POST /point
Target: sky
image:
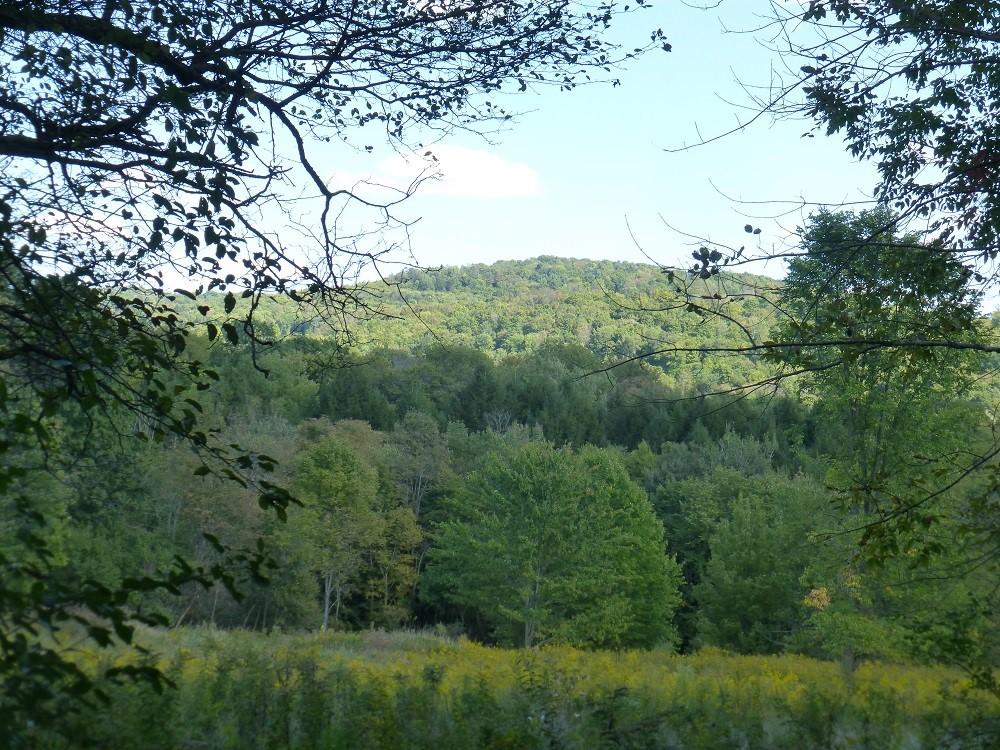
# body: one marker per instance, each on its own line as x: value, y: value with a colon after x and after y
x: 593, y: 173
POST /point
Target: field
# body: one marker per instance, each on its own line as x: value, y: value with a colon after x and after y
x: 408, y: 690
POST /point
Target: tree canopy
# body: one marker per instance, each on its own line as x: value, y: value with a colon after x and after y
x: 894, y: 292
x: 911, y: 85
x: 155, y: 157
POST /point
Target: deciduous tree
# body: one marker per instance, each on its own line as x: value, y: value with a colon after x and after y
x: 551, y: 546
x: 338, y: 523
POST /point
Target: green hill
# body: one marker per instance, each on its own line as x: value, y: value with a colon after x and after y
x: 615, y: 310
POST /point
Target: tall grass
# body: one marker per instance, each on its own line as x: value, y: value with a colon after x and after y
x: 375, y: 690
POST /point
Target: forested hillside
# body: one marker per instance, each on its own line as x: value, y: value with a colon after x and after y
x: 399, y: 454
x: 480, y: 473
x: 614, y: 310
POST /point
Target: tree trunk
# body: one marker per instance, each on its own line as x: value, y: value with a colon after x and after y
x: 327, y: 590
x: 530, y: 621
x: 848, y: 661
x: 417, y: 494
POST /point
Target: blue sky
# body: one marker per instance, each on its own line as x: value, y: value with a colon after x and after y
x: 578, y: 169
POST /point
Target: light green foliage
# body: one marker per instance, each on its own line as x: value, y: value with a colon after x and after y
x: 338, y: 522
x: 470, y: 450
x: 391, y: 571
x: 417, y: 455
x: 898, y: 417
x: 149, y: 136
x: 909, y: 607
x: 455, y: 435
x: 849, y: 619
x: 350, y: 548
x: 522, y: 307
x: 717, y: 480
x: 552, y: 546
x: 286, y: 392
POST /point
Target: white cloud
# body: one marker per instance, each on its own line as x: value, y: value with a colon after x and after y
x: 453, y: 171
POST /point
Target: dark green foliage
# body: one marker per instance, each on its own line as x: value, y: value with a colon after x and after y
x: 890, y: 74
x: 858, y: 280
x: 712, y: 475
x: 744, y: 539
x: 859, y: 290
x: 743, y: 494
x: 749, y: 596
x: 138, y: 143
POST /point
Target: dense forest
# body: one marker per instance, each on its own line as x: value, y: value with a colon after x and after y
x: 385, y: 447
x: 419, y: 466
x: 475, y: 469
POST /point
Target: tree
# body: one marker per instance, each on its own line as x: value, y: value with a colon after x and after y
x: 151, y: 145
x: 858, y: 283
x: 749, y: 595
x: 884, y: 332
x: 418, y: 455
x: 170, y: 133
x: 887, y: 325
x: 939, y: 610
x: 912, y: 86
x: 392, y: 565
x: 338, y: 522
x: 552, y: 546
x: 907, y: 84
x: 743, y: 540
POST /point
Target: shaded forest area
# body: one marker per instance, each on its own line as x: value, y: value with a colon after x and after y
x: 410, y: 462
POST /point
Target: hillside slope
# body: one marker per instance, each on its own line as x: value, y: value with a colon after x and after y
x: 615, y: 310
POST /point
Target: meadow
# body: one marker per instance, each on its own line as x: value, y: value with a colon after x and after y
x: 415, y: 690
